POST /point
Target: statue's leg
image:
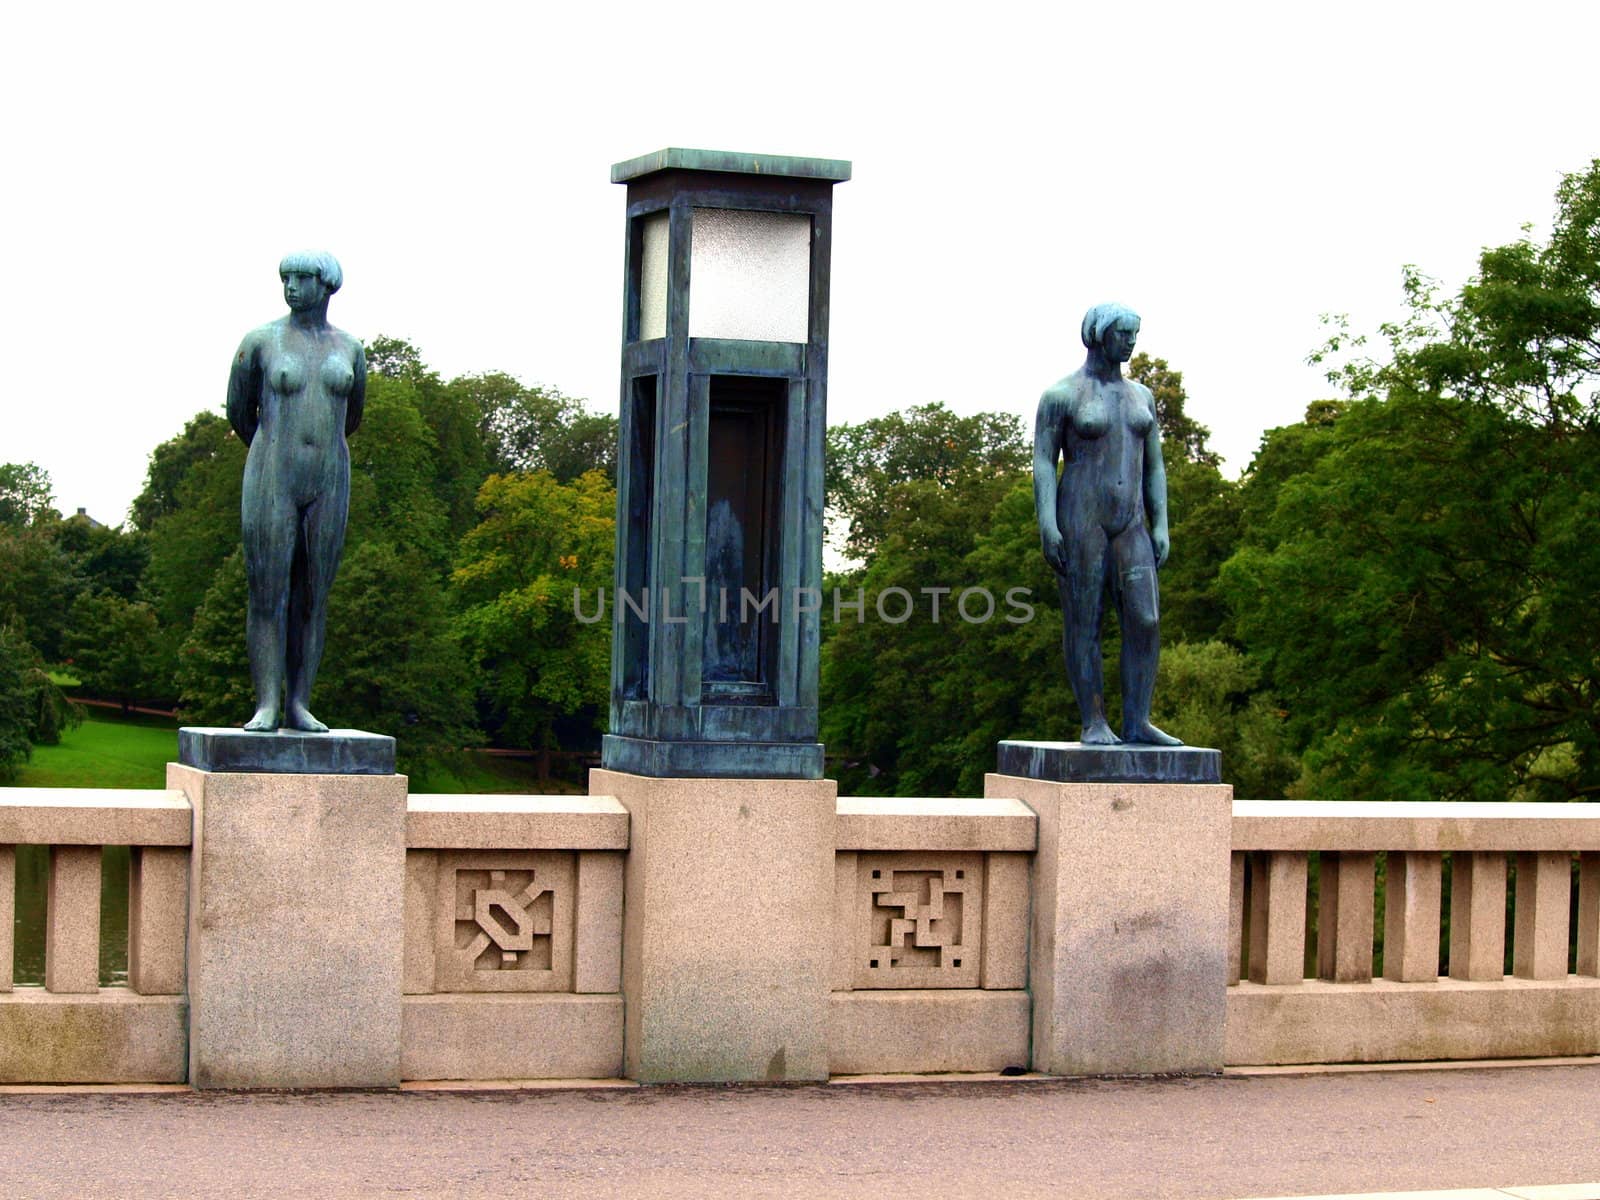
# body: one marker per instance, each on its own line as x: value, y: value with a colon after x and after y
x: 268, y: 535
x: 1082, y: 604
x: 322, y: 530
x: 1139, y: 613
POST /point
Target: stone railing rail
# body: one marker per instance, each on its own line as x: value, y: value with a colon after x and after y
x: 1276, y: 1014
x: 73, y: 1030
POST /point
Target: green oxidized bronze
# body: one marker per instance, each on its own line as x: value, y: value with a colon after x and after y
x: 295, y: 393
x: 1103, y: 523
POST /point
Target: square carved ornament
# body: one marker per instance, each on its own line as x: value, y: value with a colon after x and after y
x: 919, y: 920
x: 505, y: 921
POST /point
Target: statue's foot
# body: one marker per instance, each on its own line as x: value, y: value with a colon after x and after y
x: 1098, y: 734
x: 1146, y: 734
x: 265, y: 720
x: 300, y: 718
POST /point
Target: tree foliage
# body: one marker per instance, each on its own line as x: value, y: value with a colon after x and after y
x: 25, y: 494
x: 541, y: 671
x: 114, y: 645
x: 925, y: 442
x: 32, y: 709
x: 1419, y: 582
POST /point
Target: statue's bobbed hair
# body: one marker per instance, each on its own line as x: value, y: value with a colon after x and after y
x: 1103, y: 317
x: 314, y: 262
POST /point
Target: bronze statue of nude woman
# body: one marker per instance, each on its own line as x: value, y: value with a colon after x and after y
x: 295, y: 393
x: 1103, y: 523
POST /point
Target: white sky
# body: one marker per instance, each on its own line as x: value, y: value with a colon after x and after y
x: 1230, y: 171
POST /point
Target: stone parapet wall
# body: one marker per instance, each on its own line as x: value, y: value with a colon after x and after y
x: 930, y: 934
x: 760, y: 929
x: 513, y: 937
x: 1304, y: 979
x: 73, y: 1030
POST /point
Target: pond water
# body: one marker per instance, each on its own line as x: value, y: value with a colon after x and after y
x: 33, y: 875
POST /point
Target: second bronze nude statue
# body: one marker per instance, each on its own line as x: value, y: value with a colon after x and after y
x: 1103, y: 521
x: 295, y: 393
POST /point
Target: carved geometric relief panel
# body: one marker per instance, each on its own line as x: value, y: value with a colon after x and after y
x: 505, y: 921
x: 919, y: 919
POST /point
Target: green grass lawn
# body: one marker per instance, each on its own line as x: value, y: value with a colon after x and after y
x: 106, y: 751
x: 109, y: 750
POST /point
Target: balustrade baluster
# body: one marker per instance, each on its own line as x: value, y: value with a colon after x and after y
x: 1544, y: 891
x: 1589, y: 913
x: 158, y: 911
x: 1411, y: 917
x: 1278, y: 916
x: 1344, y: 917
x: 1236, y: 949
x: 8, y: 899
x: 1477, y: 915
x: 72, y: 920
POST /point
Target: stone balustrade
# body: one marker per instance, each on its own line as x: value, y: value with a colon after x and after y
x: 1342, y: 1013
x: 930, y: 935
x: 73, y: 1030
x: 1075, y: 928
x: 513, y: 937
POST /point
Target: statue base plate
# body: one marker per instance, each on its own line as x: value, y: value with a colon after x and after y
x: 711, y: 760
x: 286, y: 752
x: 1074, y: 762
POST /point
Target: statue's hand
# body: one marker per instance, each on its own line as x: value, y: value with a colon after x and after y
x: 1055, y: 551
x: 1162, y: 544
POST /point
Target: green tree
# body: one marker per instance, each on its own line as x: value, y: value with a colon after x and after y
x: 109, y: 558
x: 195, y: 527
x: 541, y: 671
x: 25, y: 494
x: 203, y: 440
x: 393, y: 664
x: 32, y: 709
x: 38, y: 583
x: 393, y: 475
x: 114, y: 645
x: 924, y: 442
x: 1182, y: 437
x: 213, y: 671
x: 540, y: 429
x: 1418, y: 592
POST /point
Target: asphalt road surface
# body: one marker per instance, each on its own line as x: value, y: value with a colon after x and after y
x: 1105, y: 1139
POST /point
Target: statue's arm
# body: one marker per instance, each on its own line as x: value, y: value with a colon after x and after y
x: 358, y: 393
x: 1155, y: 486
x: 244, y: 389
x: 1046, y: 450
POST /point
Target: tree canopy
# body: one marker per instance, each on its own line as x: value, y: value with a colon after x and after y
x: 1417, y: 574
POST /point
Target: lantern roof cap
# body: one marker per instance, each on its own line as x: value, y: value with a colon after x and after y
x: 674, y: 158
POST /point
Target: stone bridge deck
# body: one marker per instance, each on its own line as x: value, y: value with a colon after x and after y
x: 1521, y: 1129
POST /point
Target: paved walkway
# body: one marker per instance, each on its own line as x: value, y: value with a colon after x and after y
x: 1210, y: 1139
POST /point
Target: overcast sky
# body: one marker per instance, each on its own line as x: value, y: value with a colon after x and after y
x: 1232, y: 172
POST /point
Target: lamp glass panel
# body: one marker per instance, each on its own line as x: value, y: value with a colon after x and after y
x: 653, y: 277
x: 750, y: 275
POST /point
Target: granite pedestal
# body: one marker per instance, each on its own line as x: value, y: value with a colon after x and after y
x: 286, y: 751
x: 1128, y: 962
x: 296, y: 935
x: 727, y: 927
x: 1074, y: 762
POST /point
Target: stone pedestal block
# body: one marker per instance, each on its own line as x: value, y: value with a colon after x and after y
x: 1129, y: 961
x: 295, y: 929
x: 727, y: 938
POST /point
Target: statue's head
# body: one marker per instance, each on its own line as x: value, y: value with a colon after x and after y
x: 294, y: 268
x: 1113, y: 328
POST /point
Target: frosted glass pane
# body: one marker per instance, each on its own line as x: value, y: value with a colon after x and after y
x: 653, y: 278
x: 750, y: 275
